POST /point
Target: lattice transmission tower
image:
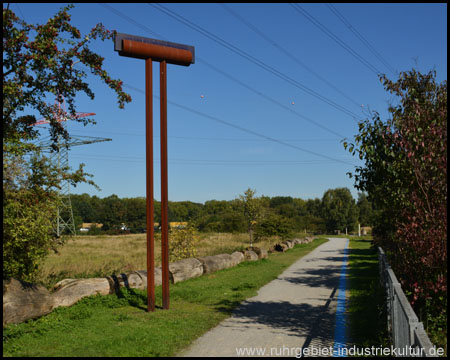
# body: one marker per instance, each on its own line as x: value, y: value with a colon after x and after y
x: 64, y: 216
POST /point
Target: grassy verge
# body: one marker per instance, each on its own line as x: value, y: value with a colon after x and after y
x: 103, y: 255
x: 366, y: 316
x: 119, y: 325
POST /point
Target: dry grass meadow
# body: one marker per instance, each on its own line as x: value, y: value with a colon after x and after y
x: 103, y: 255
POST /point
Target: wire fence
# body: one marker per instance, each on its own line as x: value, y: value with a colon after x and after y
x: 406, y: 332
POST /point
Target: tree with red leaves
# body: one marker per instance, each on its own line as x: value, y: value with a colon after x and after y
x: 405, y: 175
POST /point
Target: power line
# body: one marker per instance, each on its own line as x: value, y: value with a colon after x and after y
x: 228, y: 76
x: 323, y: 127
x: 287, y: 53
x: 241, y: 128
x: 130, y: 20
x: 253, y: 60
x: 324, y: 29
x: 200, y: 161
x: 196, y: 138
x: 226, y: 123
x: 361, y: 37
x: 246, y: 139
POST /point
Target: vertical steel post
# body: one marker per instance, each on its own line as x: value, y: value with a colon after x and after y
x: 164, y: 187
x: 165, y: 52
x: 149, y: 174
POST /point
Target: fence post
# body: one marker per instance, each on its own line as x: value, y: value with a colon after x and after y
x: 405, y: 330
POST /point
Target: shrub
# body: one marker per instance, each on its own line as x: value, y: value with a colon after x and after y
x: 183, y: 242
x: 405, y: 176
x: 273, y: 225
x: 27, y: 233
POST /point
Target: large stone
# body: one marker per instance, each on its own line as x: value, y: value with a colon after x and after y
x: 238, y: 257
x: 262, y: 253
x: 69, y: 291
x: 185, y: 269
x: 281, y: 247
x: 250, y: 255
x: 216, y: 262
x: 289, y: 244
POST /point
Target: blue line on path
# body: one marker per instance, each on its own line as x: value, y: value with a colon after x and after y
x: 341, y: 326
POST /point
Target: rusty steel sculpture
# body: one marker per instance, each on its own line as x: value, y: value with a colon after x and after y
x: 165, y: 53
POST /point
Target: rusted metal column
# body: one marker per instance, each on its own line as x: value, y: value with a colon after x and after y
x: 166, y: 53
x: 164, y: 187
x: 143, y: 50
x: 149, y: 173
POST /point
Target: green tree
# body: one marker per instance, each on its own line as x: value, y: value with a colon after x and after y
x: 339, y: 210
x: 114, y: 212
x: 135, y: 213
x: 273, y: 225
x: 38, y: 63
x: 82, y: 207
x: 26, y: 222
x: 211, y: 217
x: 300, y: 207
x: 366, y: 211
x: 183, y: 210
x: 314, y: 206
x: 252, y: 209
x: 277, y: 201
x: 311, y: 223
x: 233, y: 222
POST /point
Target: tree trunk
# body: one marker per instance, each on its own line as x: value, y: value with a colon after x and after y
x: 216, y: 262
x: 238, y: 257
x: 69, y: 291
x: 23, y: 301
x: 185, y: 269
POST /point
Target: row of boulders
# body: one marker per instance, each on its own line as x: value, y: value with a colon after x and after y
x: 289, y: 244
x: 23, y: 301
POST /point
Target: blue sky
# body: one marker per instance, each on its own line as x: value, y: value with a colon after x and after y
x: 258, y: 130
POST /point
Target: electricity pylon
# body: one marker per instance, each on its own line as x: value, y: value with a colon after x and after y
x: 60, y: 158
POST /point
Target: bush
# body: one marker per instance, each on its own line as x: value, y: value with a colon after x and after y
x: 273, y: 225
x: 406, y: 177
x: 183, y: 242
x: 27, y: 233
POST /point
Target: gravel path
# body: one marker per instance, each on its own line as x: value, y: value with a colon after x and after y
x: 296, y: 310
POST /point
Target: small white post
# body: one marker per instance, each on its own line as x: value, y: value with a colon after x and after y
x: 359, y: 229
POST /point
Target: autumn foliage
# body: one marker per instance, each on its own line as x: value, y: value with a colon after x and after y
x: 405, y: 175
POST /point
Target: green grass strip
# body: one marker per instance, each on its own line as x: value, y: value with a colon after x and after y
x: 119, y: 325
x: 367, y: 319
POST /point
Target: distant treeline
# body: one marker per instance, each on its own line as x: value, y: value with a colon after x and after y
x: 283, y: 215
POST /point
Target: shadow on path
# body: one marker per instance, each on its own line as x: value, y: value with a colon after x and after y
x: 317, y: 322
x: 323, y: 277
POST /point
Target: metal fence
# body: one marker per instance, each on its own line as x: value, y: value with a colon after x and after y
x: 406, y: 332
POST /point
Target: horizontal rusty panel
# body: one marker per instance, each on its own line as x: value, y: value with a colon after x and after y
x: 157, y: 50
